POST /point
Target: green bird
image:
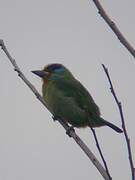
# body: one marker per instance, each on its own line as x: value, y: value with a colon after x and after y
x: 68, y: 100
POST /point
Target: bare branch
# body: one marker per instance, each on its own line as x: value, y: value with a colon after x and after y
x: 114, y: 28
x: 100, y: 152
x: 71, y: 132
x: 122, y: 120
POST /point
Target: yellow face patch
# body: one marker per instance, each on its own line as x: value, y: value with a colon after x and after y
x: 45, y: 68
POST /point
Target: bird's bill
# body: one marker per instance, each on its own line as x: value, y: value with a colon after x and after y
x: 41, y: 73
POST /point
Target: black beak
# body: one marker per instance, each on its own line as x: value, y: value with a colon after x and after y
x: 40, y: 73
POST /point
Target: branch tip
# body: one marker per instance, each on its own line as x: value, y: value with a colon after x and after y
x: 114, y: 28
x: 119, y: 104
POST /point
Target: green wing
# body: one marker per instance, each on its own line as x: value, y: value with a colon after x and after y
x: 79, y: 94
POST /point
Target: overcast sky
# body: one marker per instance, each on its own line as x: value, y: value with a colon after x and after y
x: 71, y: 32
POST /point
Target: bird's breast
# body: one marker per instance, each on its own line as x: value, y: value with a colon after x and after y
x: 51, y: 96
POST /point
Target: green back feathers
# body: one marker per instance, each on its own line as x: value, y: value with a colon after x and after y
x: 71, y: 88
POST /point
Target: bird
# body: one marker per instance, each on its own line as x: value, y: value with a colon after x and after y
x: 68, y: 100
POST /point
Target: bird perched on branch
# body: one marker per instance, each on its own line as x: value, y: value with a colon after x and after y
x: 68, y: 100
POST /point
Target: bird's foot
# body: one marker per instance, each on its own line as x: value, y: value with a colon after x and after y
x: 69, y: 130
x: 55, y: 118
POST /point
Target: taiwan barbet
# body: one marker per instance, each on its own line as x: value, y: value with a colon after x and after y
x: 68, y: 100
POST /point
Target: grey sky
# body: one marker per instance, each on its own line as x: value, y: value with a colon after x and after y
x: 71, y: 32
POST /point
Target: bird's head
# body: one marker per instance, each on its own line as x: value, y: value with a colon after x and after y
x: 53, y: 72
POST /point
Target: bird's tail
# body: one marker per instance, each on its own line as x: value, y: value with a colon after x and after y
x: 99, y: 121
x: 117, y: 129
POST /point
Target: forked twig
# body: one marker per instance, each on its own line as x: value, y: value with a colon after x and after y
x: 114, y: 28
x: 123, y: 122
x: 71, y: 132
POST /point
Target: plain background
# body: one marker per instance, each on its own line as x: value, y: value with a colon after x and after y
x: 70, y: 32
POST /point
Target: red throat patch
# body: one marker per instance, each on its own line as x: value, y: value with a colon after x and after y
x: 45, y: 81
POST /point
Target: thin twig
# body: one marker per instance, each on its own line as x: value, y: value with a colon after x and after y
x: 100, y: 152
x: 114, y: 28
x: 71, y: 132
x: 123, y: 122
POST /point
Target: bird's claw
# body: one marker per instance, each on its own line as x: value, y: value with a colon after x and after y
x: 55, y: 118
x: 69, y: 130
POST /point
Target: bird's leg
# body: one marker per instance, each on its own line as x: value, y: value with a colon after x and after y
x: 69, y: 130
